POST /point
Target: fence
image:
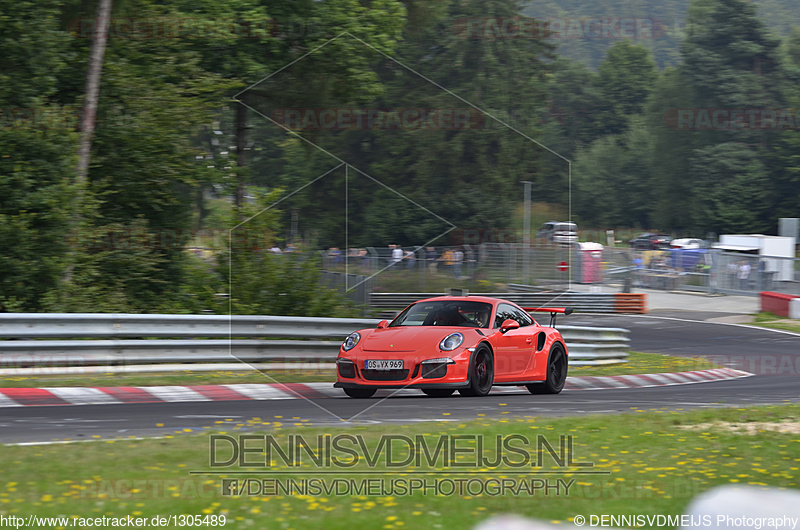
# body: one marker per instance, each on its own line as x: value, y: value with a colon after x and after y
x: 555, y: 267
x: 61, y: 339
x: 580, y: 302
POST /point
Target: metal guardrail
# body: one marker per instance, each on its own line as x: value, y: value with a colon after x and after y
x: 200, y: 340
x: 111, y: 325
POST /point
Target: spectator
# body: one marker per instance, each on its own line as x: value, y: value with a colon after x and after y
x: 733, y: 271
x: 744, y: 274
x: 762, y: 275
x: 447, y: 260
x: 335, y: 256
x: 410, y: 259
x: 397, y: 254
x: 430, y: 256
x: 458, y: 259
x: 638, y: 272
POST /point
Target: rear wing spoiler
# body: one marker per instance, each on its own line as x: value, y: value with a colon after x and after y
x: 552, y: 310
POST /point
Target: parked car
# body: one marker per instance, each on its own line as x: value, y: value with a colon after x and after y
x: 559, y: 232
x: 650, y: 241
x: 448, y: 343
x: 688, y: 243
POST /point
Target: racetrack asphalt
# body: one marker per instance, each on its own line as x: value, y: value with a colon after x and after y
x: 773, y: 356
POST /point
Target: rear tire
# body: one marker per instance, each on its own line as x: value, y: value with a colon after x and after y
x: 438, y: 392
x: 556, y: 373
x: 481, y: 374
x: 360, y: 393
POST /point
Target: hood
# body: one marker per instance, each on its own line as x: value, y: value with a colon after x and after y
x: 413, y: 338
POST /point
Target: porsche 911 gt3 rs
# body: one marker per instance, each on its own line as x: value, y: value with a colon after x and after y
x: 465, y: 343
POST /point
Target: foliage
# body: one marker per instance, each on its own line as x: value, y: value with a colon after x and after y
x: 116, y: 270
x: 163, y: 161
x: 624, y: 80
x: 35, y: 166
x: 259, y: 281
x: 36, y: 154
x: 613, y: 180
x: 407, y: 185
x: 732, y: 188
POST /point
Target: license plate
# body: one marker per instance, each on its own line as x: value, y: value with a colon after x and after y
x: 383, y: 364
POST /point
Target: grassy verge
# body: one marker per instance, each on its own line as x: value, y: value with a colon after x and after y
x: 185, y: 377
x: 646, y: 363
x: 638, y: 363
x: 643, y: 463
x: 770, y: 320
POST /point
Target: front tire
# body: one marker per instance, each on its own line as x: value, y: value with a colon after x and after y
x: 481, y: 376
x: 360, y: 393
x: 438, y: 392
x: 556, y: 373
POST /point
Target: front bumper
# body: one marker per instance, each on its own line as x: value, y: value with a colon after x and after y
x: 415, y: 372
x: 456, y: 386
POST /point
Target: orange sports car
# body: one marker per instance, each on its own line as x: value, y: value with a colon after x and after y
x: 465, y: 343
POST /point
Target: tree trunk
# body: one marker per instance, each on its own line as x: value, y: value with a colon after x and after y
x: 241, y: 159
x: 88, y: 119
x: 89, y: 115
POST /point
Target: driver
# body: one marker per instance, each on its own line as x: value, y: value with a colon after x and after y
x: 447, y: 318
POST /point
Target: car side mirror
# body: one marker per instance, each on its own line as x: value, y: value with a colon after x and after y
x: 383, y: 324
x: 508, y: 324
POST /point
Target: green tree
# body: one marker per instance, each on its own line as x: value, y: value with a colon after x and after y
x: 36, y: 167
x: 791, y: 47
x: 730, y: 60
x: 613, y: 179
x: 624, y: 79
x: 573, y: 103
x: 469, y: 176
x: 732, y: 192
x: 156, y: 98
x: 260, y: 282
x: 37, y: 153
x: 670, y: 159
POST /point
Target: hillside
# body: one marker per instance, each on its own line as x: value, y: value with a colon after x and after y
x: 587, y: 42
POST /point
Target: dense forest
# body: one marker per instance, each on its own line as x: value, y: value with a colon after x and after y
x: 233, y: 126
x: 669, y: 20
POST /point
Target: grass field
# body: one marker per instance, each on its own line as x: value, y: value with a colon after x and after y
x: 769, y: 320
x: 638, y: 363
x: 642, y: 462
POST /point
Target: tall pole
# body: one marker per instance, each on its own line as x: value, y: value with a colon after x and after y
x: 526, y: 235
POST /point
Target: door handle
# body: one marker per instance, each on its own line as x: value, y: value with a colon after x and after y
x: 528, y: 340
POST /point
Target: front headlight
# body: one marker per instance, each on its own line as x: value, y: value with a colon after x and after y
x: 451, y: 342
x: 351, y: 341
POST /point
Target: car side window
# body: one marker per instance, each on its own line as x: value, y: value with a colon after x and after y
x: 506, y: 311
x: 522, y: 317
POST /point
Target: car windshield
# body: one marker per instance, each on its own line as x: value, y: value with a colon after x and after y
x: 445, y: 313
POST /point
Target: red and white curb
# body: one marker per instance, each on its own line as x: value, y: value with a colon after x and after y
x: 21, y: 397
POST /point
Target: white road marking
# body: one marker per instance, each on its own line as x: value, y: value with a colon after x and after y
x: 637, y: 381
x: 257, y: 391
x: 174, y: 393
x: 82, y: 395
x: 580, y: 381
x: 6, y: 401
